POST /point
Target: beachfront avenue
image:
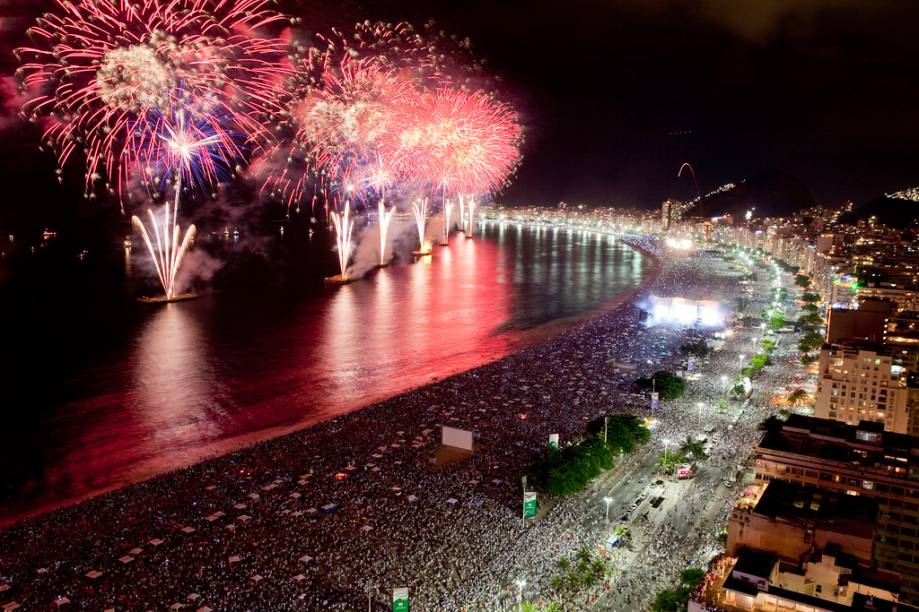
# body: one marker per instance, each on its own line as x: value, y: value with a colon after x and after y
x: 287, y: 524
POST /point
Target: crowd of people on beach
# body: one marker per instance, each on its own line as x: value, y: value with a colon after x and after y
x: 337, y: 515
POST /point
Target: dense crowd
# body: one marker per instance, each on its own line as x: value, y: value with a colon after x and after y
x: 335, y: 516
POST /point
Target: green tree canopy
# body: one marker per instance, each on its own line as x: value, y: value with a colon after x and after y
x: 810, y: 298
x: 668, y: 385
x: 802, y: 281
x: 697, y: 349
x: 693, y: 447
x: 811, y: 341
x: 691, y: 576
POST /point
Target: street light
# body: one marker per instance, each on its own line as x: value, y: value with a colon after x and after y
x: 520, y: 584
x: 724, y: 382
x: 666, y: 443
x: 607, y: 499
x: 700, y: 405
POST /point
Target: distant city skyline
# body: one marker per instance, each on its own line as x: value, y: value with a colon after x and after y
x: 615, y: 96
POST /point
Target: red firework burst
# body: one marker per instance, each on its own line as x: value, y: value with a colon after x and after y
x: 98, y: 68
x: 460, y: 143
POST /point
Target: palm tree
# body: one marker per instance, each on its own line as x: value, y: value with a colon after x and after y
x: 693, y: 447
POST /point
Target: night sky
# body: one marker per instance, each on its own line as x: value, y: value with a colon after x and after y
x: 616, y: 94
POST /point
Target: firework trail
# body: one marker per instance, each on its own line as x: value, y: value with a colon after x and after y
x: 343, y: 227
x: 187, y: 148
x: 168, y: 252
x: 420, y: 212
x: 692, y: 171
x: 471, y: 217
x: 462, y: 209
x: 385, y: 219
x: 97, y: 68
x: 448, y: 209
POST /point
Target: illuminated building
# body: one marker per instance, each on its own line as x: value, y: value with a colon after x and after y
x: 857, y: 460
x: 857, y: 383
x: 802, y: 548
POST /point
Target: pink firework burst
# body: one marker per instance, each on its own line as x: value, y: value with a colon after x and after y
x: 98, y: 68
x: 351, y: 102
x: 344, y: 115
x: 429, y: 55
x: 460, y: 143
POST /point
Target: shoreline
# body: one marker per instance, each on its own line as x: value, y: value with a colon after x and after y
x: 356, y: 494
x: 527, y: 339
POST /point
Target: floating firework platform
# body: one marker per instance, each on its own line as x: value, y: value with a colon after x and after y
x: 339, y: 279
x: 162, y: 299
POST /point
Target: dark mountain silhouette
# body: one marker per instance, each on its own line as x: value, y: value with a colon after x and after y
x: 773, y: 194
x: 892, y: 212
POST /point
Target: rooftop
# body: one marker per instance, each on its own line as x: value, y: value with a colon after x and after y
x: 825, y: 510
x: 865, y: 444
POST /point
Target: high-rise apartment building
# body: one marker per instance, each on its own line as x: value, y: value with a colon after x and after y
x: 857, y: 460
x: 856, y: 383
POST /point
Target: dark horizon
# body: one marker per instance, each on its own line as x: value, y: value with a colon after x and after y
x: 616, y: 95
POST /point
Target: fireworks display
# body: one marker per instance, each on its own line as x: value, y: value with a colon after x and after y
x: 179, y: 95
x: 185, y: 150
x: 388, y: 108
x: 343, y: 227
x: 385, y: 218
x: 97, y: 68
x: 156, y: 93
x: 168, y: 251
x: 447, y: 212
x: 470, y: 217
x: 420, y: 212
x: 460, y: 143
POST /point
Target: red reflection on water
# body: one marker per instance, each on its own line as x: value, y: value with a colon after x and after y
x: 206, y: 377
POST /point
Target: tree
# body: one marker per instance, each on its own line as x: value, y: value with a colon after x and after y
x: 807, y: 359
x: 758, y: 362
x: 583, y: 573
x: 568, y: 470
x: 768, y: 345
x: 697, y: 349
x: 810, y: 309
x: 671, y: 600
x: 802, y: 281
x: 623, y: 432
x: 810, y: 321
x: 669, y: 386
x: 810, y: 342
x: 810, y: 298
x: 796, y: 397
x: 693, y: 447
x: 691, y: 576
